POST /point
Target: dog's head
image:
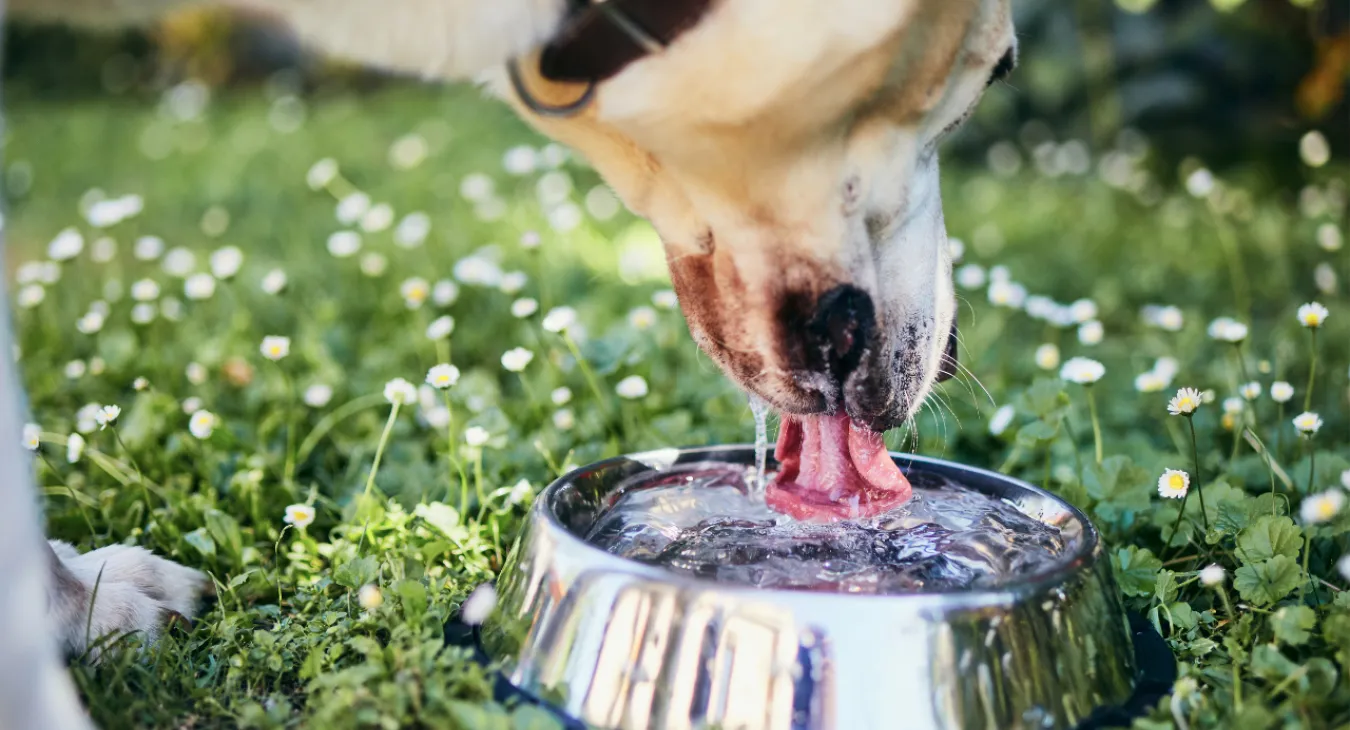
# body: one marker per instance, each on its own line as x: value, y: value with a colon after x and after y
x: 786, y: 151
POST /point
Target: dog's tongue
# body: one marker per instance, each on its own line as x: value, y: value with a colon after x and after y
x: 833, y: 469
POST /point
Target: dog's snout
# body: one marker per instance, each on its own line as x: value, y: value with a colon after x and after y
x: 842, y: 327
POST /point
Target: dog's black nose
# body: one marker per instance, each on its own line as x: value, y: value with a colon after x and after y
x: 842, y: 328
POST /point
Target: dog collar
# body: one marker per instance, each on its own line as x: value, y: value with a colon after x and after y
x: 599, y: 38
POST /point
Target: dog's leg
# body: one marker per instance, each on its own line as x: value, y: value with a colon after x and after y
x: 116, y: 590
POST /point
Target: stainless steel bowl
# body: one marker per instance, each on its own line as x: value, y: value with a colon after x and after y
x: 620, y: 644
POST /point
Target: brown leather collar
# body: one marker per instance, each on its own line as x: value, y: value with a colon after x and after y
x: 601, y: 37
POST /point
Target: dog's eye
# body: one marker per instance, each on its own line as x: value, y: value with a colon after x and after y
x: 1004, y: 67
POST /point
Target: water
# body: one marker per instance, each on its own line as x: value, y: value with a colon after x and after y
x: 705, y: 522
x: 761, y: 410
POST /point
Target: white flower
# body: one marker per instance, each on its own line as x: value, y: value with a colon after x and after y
x: 1343, y: 566
x: 478, y: 606
x: 559, y: 319
x: 226, y: 262
x: 344, y: 244
x: 274, y: 282
x: 75, y: 369
x: 374, y: 264
x: 971, y: 276
x: 1173, y: 484
x: 444, y: 293
x: 1150, y: 382
x: 192, y: 405
x: 352, y: 207
x: 1345, y: 479
x: 199, y: 287
x: 520, y: 492
x: 1312, y: 315
x: 1042, y: 307
x: 30, y: 296
x: 86, y: 419
x: 321, y: 173
x: 140, y: 384
x: 1170, y: 319
x: 275, y: 347
x: 1047, y: 356
x: 1200, y: 183
x: 522, y: 308
x: 415, y: 292
x: 369, y: 597
x: 956, y: 248
x: 179, y: 262
x: 1227, y: 329
x: 74, y: 448
x: 1091, y: 332
x: 1233, y: 406
x: 441, y: 327
x: 478, y: 270
x: 97, y: 365
x: 1082, y: 370
x: 49, y: 272
x: 32, y: 436
x: 1212, y: 575
x: 1007, y: 294
x: 530, y: 240
x: 145, y: 290
x: 1250, y: 391
x: 196, y: 373
x: 299, y: 515
x: 1318, y: 508
x: 1185, y: 402
x: 318, y: 395
x: 512, y: 282
x: 516, y: 359
x: 561, y: 396
x: 90, y: 323
x: 202, y: 424
x: 476, y: 187
x: 1084, y: 310
x: 443, y: 376
x: 632, y: 387
x: 564, y: 419
x: 1281, y: 391
x: 1329, y: 237
x: 1307, y: 423
x: 378, y: 218
x: 476, y: 436
x: 107, y: 415
x: 148, y: 248
x: 665, y: 299
x: 438, y: 417
x: 67, y: 245
x: 1167, y: 367
x: 1314, y: 149
x: 408, y: 151
x: 413, y: 230
x: 519, y: 160
x: 144, y: 313
x: 1001, y: 419
x: 400, y: 392
x: 642, y: 318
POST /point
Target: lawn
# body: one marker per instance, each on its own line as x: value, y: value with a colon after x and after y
x: 220, y: 430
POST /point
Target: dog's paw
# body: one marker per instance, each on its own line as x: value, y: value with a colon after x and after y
x: 118, y: 590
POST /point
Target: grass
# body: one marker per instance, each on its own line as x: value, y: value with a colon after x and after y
x: 288, y: 642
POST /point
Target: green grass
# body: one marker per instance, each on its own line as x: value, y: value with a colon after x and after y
x: 287, y: 644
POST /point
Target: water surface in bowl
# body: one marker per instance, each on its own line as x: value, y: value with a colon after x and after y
x: 707, y: 521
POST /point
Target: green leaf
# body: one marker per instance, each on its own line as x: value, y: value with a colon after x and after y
x: 200, y: 540
x: 1269, y: 664
x: 1119, y: 481
x: 356, y: 573
x: 1037, y: 433
x: 1292, y: 624
x: 1136, y: 570
x: 225, y: 530
x: 443, y: 517
x: 1045, y: 398
x: 1268, y: 581
x: 1165, y: 587
x: 531, y: 717
x: 1233, y: 516
x: 1183, y: 616
x: 413, y: 596
x: 1267, y: 537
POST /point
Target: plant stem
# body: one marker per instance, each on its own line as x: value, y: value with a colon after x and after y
x: 1312, y: 370
x: 587, y: 372
x: 379, y: 449
x: 1096, y: 424
x: 1195, y: 457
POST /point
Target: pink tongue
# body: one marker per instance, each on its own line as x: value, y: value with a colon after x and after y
x: 833, y: 470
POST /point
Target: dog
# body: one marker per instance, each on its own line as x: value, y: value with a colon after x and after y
x: 785, y: 151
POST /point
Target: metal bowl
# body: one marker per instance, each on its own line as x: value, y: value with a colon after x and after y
x: 620, y: 644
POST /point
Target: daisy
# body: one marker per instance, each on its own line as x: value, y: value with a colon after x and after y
x: 478, y: 606
x: 1212, y: 575
x: 524, y: 307
x: 148, y: 248
x: 1170, y: 319
x: 192, y: 405
x: 1233, y: 406
x: 318, y: 395
x: 1007, y: 294
x: 1082, y: 370
x: 1345, y: 479
x: 199, y: 287
x: 562, y: 396
x: 86, y: 419
x: 196, y: 373
x: 971, y: 276
x: 442, y: 376
x: 1091, y: 332
x: 530, y: 240
x: 1329, y: 237
x: 1185, y: 402
x: 1173, y: 484
x: 1281, y: 392
x: 226, y: 262
x: 378, y: 218
x: 91, y: 323
x: 1150, y: 382
x: 30, y: 296
x: 1001, y: 419
x: 642, y: 318
x: 107, y: 416
x: 369, y: 597
x: 32, y: 436
x: 179, y: 262
x: 275, y: 347
x: 415, y: 292
x: 476, y: 436
x: 413, y: 230
x: 1227, y: 329
x: 74, y: 448
x: 444, y: 293
x: 67, y: 245
x: 516, y: 359
x: 1318, y: 508
x: 75, y: 369
x: 512, y: 282
x: 520, y: 492
x: 351, y: 207
x: 202, y: 424
x: 564, y: 419
x: 559, y: 319
x: 344, y: 244
x: 143, y: 313
x: 145, y: 290
x: 1250, y: 391
x: 1083, y: 310
x: 1047, y: 356
x: 321, y: 173
x: 1307, y: 423
x: 399, y: 392
x: 1312, y: 315
x: 299, y: 515
x: 632, y: 387
x: 274, y: 282
x: 665, y: 299
x: 441, y: 327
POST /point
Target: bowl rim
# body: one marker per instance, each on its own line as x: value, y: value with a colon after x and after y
x: 1062, y: 572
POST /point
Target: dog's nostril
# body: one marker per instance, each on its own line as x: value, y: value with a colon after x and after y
x: 842, y: 326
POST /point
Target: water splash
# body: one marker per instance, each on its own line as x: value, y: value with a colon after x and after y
x: 761, y: 410
x: 704, y: 522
